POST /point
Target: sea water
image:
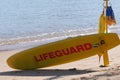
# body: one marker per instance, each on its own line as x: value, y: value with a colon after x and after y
x: 28, y: 23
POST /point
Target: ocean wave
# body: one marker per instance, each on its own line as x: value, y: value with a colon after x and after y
x: 114, y: 29
x: 49, y: 37
x: 34, y: 40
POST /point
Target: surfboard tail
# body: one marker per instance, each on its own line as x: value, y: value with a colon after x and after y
x: 110, y: 40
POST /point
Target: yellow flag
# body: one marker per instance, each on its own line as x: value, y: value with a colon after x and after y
x: 102, y: 24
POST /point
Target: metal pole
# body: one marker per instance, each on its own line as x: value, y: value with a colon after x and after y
x: 105, y: 54
x: 106, y: 8
x: 106, y: 3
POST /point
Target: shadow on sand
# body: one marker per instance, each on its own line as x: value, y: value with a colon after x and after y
x: 56, y: 73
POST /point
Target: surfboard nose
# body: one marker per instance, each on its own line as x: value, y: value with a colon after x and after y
x: 10, y: 62
x: 20, y: 62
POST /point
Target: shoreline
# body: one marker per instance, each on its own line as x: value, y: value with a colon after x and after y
x: 27, y: 45
x: 85, y: 69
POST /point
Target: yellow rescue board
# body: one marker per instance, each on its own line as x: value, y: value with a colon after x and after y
x: 63, y: 51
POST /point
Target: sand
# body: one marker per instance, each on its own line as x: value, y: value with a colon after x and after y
x: 86, y: 69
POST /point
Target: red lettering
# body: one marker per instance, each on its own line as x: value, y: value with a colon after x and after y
x: 51, y: 55
x: 73, y: 50
x: 80, y: 48
x: 41, y: 57
x: 58, y: 53
x: 63, y: 52
x: 66, y: 52
x: 37, y: 59
x: 45, y: 56
x: 87, y: 46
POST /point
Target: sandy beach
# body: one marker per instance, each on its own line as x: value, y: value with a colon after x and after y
x: 28, y: 23
x: 86, y: 69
